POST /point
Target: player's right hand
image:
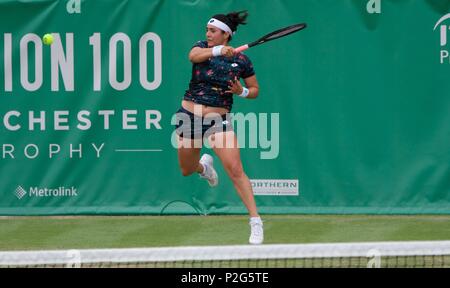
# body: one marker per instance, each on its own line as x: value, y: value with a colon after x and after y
x: 227, y: 51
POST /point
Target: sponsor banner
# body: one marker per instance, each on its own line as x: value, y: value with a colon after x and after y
x: 355, y: 108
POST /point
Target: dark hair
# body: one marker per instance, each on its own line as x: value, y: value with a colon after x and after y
x: 237, y: 18
x: 233, y: 19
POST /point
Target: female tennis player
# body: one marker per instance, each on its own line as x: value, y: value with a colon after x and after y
x: 216, y: 75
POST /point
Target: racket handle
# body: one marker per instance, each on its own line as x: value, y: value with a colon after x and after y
x: 241, y: 48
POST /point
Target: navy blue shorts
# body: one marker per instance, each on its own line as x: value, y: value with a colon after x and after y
x: 192, y: 126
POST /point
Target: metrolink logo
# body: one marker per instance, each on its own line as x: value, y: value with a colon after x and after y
x: 20, y: 192
x: 443, y: 32
x: 38, y: 192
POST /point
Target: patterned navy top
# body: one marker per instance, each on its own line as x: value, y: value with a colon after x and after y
x: 210, y: 79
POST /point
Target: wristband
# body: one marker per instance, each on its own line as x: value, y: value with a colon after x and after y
x: 244, y: 93
x: 217, y: 50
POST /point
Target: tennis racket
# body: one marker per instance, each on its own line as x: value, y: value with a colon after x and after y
x: 272, y: 36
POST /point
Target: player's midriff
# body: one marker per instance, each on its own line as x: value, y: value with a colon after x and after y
x: 201, y: 110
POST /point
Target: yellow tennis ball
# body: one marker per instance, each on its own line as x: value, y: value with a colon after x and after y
x: 47, y: 39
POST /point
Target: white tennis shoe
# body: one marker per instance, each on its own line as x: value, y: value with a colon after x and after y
x: 257, y: 231
x: 209, y: 173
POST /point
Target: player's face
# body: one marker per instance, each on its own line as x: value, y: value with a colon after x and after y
x: 215, y: 36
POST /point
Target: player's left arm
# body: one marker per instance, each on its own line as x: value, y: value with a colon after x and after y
x: 252, y: 85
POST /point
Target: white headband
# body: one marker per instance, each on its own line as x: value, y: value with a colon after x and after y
x: 219, y: 24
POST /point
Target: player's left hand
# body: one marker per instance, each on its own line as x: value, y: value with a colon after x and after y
x: 235, y: 87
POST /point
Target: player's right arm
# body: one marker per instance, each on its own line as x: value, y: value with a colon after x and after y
x: 199, y: 55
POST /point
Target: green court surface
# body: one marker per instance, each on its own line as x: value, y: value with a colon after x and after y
x: 36, y: 233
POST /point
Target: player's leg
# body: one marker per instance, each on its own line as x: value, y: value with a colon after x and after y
x: 190, y: 142
x: 225, y: 146
x: 190, y: 161
x: 188, y: 157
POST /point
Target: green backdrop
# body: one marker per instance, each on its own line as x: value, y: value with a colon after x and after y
x: 357, y: 107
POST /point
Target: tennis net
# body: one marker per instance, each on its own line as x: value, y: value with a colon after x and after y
x: 328, y: 255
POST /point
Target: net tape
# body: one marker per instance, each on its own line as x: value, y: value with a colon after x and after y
x: 225, y: 253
